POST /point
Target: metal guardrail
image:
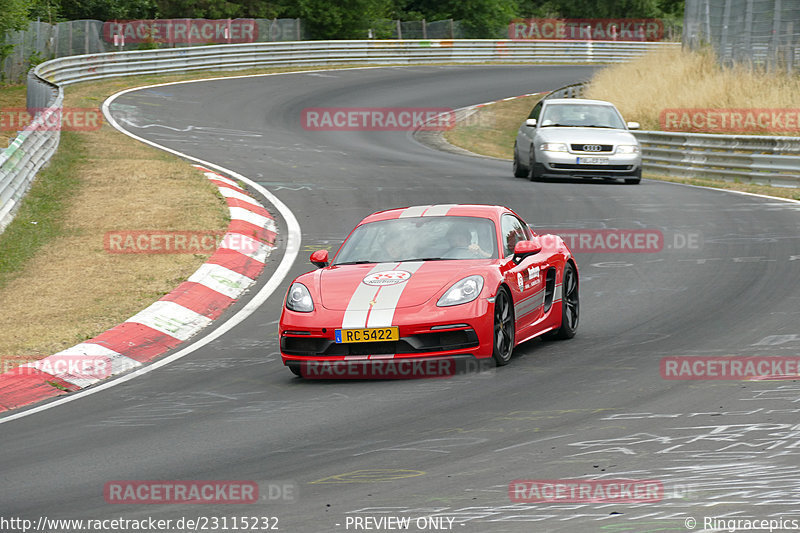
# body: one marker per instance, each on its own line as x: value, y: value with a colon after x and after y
x: 758, y: 159
x: 34, y: 147
x: 30, y: 150
x: 319, y: 53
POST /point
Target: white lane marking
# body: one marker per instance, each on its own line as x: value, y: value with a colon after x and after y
x: 293, y: 239
x: 733, y: 191
x: 532, y: 442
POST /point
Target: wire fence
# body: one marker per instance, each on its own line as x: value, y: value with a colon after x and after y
x: 43, y: 41
x: 416, y: 29
x: 764, y: 33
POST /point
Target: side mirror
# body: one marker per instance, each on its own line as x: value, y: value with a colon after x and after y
x: 634, y: 125
x: 320, y: 258
x: 531, y: 122
x: 525, y: 248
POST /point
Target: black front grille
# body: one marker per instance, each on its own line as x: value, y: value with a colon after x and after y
x: 615, y: 168
x: 602, y: 148
x: 438, y: 341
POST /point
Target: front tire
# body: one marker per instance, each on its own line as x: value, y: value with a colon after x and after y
x: 535, y: 170
x: 636, y: 178
x: 503, y: 328
x: 570, y: 305
x: 519, y: 170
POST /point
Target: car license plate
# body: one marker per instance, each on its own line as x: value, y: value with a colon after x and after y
x: 592, y: 160
x: 344, y: 336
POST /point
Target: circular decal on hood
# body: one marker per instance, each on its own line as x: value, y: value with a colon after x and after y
x: 389, y: 277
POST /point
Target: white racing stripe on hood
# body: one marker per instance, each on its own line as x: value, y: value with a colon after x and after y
x: 438, y: 210
x: 415, y: 211
x: 386, y: 302
x: 355, y: 316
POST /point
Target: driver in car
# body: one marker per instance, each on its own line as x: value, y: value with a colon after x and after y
x: 461, y: 245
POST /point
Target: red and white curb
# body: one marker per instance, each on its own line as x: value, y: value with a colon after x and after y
x: 173, y: 319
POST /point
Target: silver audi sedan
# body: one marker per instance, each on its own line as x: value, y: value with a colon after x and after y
x: 575, y: 137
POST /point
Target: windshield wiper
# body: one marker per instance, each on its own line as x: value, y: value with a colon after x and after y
x: 558, y: 126
x: 425, y: 259
x: 599, y: 126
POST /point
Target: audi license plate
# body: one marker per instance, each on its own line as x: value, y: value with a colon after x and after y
x: 592, y: 160
x: 367, y: 335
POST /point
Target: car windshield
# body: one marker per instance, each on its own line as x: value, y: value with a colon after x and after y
x: 582, y: 115
x: 420, y: 239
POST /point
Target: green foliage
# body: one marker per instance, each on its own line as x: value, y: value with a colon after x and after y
x: 593, y: 9
x: 221, y: 9
x: 107, y: 9
x: 481, y: 19
x: 45, y: 10
x: 341, y: 19
x: 13, y: 16
x: 35, y: 58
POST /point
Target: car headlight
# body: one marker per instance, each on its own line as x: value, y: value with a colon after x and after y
x: 462, y: 292
x: 553, y: 147
x: 627, y: 149
x: 299, y: 299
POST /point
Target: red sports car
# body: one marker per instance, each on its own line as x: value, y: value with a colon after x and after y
x: 426, y: 283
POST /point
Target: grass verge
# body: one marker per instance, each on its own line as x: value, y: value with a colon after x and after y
x: 58, y: 284
x: 678, y: 79
x: 11, y: 97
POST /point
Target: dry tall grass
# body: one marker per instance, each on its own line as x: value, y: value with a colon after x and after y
x: 680, y: 79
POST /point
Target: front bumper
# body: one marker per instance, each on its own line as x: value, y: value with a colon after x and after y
x: 560, y: 164
x: 459, y: 330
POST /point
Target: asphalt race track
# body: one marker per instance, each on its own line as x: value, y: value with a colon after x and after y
x: 725, y: 283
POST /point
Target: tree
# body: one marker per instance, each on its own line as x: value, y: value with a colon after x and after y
x: 108, y: 9
x: 13, y: 16
x: 479, y: 18
x: 594, y: 9
x: 341, y: 19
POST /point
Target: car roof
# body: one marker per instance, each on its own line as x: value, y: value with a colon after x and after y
x: 464, y: 210
x: 576, y: 101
